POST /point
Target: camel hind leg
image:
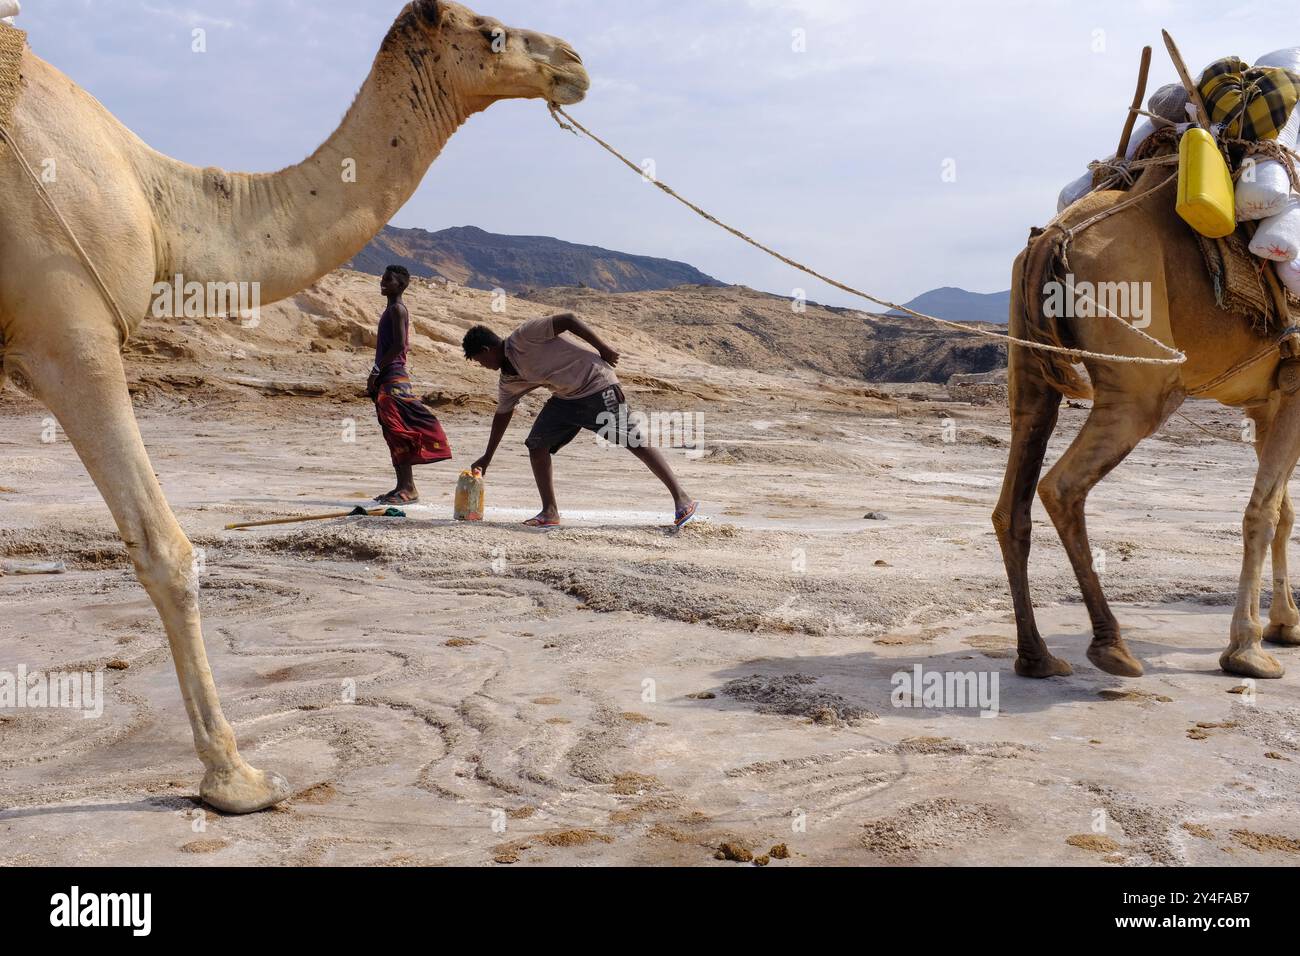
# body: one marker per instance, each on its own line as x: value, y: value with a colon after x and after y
x: 1120, y: 419
x: 79, y: 377
x: 1034, y: 409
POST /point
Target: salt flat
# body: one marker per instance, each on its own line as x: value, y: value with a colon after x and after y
x: 613, y: 691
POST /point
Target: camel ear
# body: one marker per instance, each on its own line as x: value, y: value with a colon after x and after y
x: 430, y: 11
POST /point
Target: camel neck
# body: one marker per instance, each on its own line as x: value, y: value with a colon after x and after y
x: 285, y: 230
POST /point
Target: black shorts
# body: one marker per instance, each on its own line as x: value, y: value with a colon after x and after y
x: 605, y: 413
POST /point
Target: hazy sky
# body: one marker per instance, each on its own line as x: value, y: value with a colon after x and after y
x: 835, y: 154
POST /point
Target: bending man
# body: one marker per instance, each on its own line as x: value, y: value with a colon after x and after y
x: 585, y: 394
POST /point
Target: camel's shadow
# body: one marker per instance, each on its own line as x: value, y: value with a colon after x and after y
x: 892, y: 687
x: 171, y: 804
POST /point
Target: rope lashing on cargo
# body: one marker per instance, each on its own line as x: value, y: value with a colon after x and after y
x: 123, y: 325
x: 1072, y: 231
x: 1126, y: 171
x: 1271, y: 149
x: 1175, y: 357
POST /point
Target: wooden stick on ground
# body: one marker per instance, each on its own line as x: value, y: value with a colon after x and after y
x: 1144, y: 71
x: 359, y: 512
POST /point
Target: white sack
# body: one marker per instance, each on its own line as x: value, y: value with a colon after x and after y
x: 1287, y: 59
x: 8, y: 10
x: 1074, y: 192
x: 1266, y: 195
x: 1289, y: 273
x: 1083, y: 185
x: 1278, y: 237
x: 1140, y: 132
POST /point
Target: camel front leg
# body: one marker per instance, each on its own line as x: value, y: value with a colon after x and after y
x: 1267, y: 522
x: 81, y: 380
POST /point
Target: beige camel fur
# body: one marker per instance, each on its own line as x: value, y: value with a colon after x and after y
x: 145, y: 218
x: 1146, y: 242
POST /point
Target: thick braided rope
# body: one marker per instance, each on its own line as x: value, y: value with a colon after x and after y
x: 1176, y: 357
x: 123, y: 324
x: 12, y: 43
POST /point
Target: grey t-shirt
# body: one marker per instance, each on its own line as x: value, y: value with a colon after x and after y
x: 542, y: 358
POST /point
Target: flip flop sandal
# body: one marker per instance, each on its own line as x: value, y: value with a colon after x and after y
x: 541, y: 523
x: 398, y: 500
x: 687, y: 513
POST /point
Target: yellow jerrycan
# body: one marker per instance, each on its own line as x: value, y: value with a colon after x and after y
x: 469, y: 496
x: 1205, y: 197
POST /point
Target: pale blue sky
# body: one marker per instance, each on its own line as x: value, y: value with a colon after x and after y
x: 834, y: 155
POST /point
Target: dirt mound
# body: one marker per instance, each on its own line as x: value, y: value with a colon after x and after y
x: 793, y: 695
x: 81, y: 549
x: 815, y: 457
x: 937, y: 824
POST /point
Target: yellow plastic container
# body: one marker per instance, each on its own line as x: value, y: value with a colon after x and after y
x: 469, y: 496
x: 1205, y: 197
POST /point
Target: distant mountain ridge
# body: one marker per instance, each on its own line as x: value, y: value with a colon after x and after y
x: 479, y: 259
x: 959, y: 305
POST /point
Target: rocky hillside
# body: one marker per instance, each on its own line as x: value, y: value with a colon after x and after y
x: 484, y: 260
x: 702, y: 339
x: 738, y: 327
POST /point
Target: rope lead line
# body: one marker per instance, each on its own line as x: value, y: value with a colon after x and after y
x: 1176, y: 357
x: 124, y: 326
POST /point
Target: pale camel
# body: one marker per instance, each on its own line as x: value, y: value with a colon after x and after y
x: 1146, y: 242
x: 144, y: 218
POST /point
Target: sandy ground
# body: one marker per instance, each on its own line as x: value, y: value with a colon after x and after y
x: 613, y: 692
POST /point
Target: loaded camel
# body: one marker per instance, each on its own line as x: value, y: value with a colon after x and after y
x: 143, y: 217
x: 1145, y: 242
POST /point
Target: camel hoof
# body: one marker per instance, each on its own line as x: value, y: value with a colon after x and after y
x: 1114, y: 658
x: 1285, y: 634
x: 1251, y: 662
x: 1048, y: 666
x: 242, y: 789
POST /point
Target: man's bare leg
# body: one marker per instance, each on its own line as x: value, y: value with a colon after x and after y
x: 654, y: 459
x: 540, y: 459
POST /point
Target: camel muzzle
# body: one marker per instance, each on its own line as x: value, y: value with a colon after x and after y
x: 570, y: 88
x: 569, y: 79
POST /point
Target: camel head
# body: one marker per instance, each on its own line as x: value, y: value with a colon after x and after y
x: 488, y: 61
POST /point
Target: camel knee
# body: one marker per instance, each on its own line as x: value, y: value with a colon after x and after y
x: 1259, y: 523
x: 1265, y: 508
x: 1001, y: 522
x: 1012, y: 526
x: 165, y: 564
x: 1056, y: 496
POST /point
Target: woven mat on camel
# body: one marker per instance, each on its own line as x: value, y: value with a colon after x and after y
x: 1239, y: 285
x: 12, y: 43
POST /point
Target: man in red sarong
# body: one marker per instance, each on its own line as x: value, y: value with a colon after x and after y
x: 413, y: 433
